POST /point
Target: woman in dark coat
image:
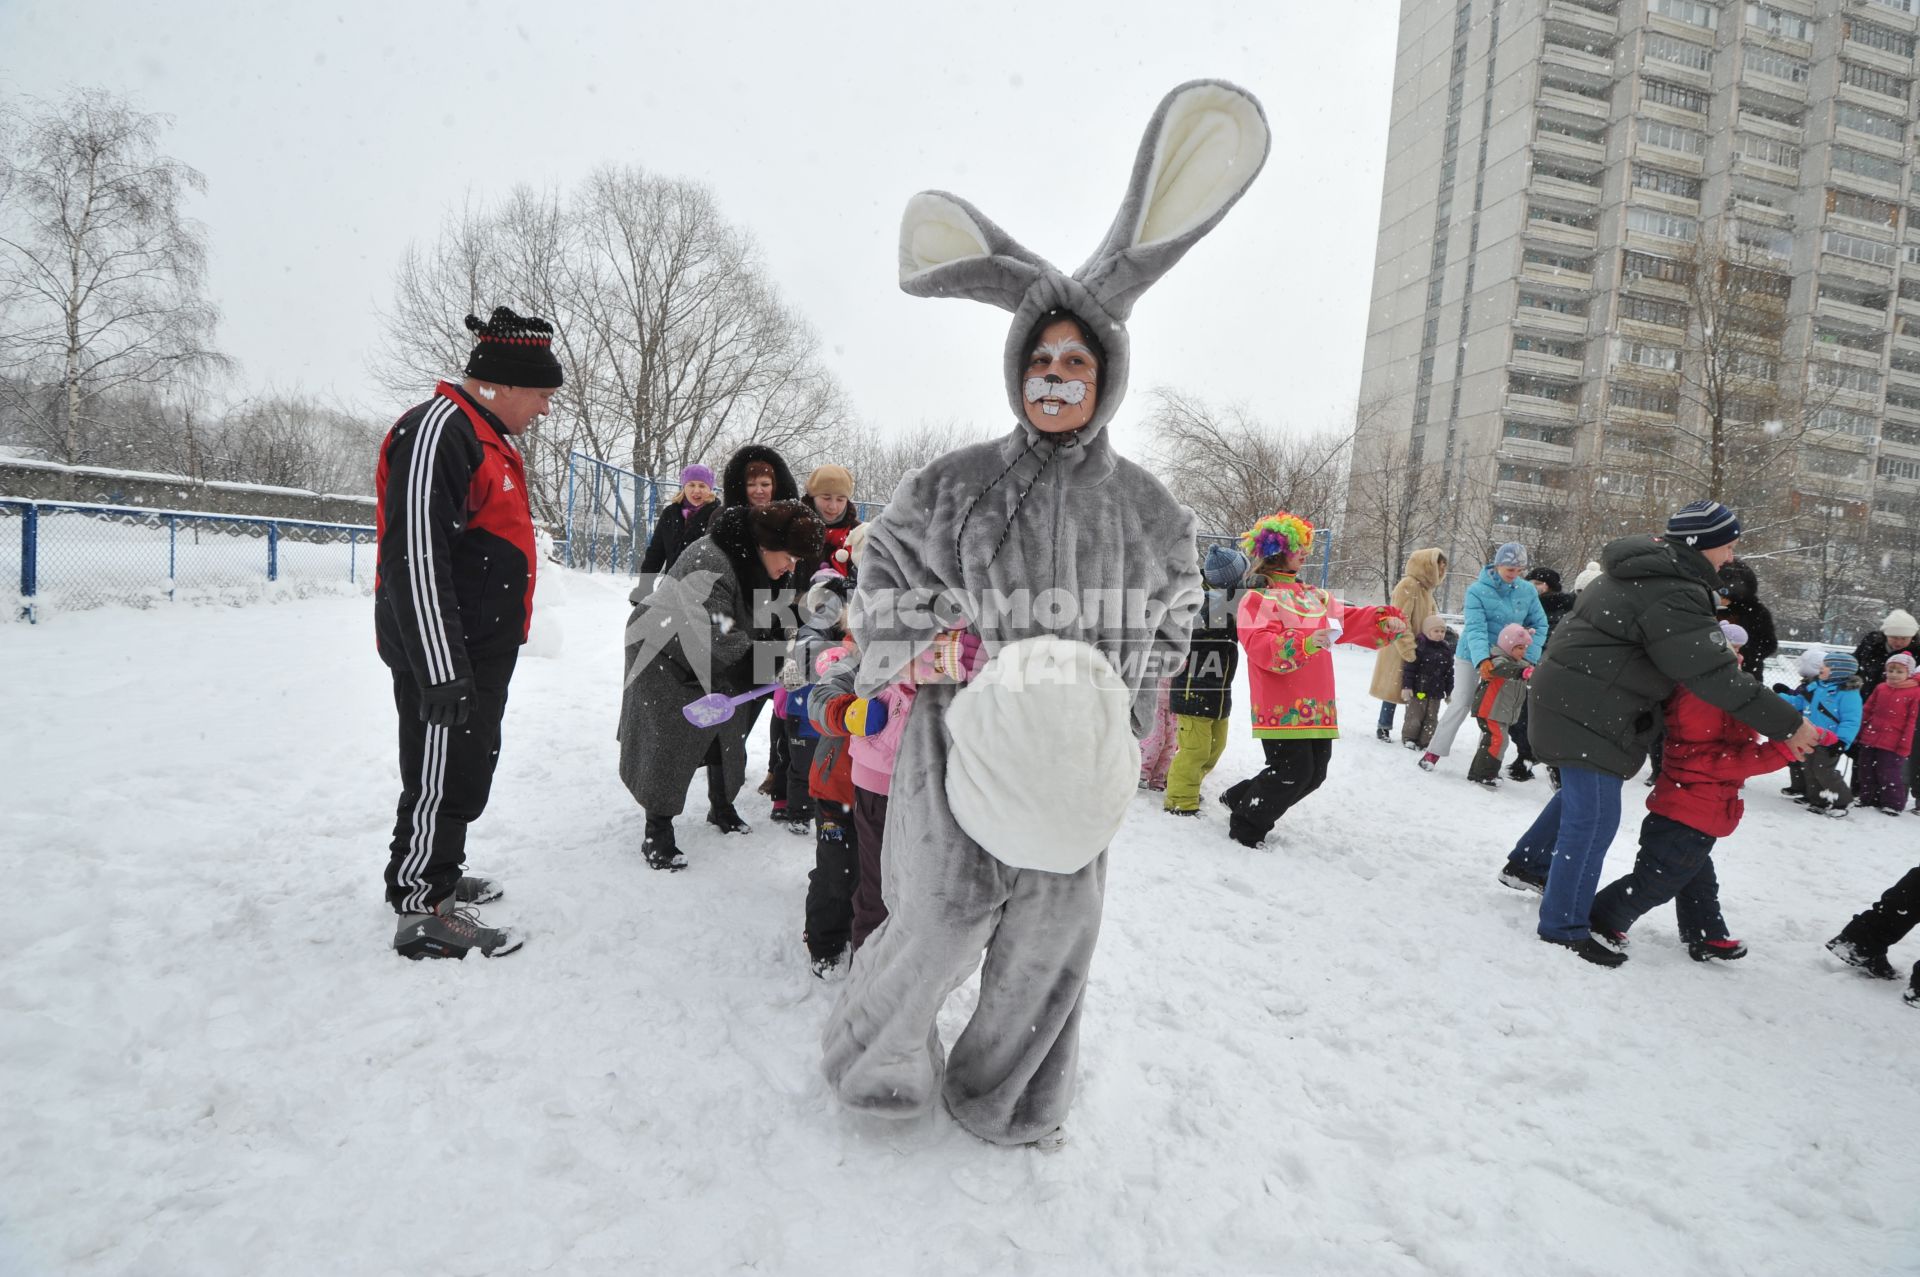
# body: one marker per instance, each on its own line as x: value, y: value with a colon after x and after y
x: 683, y: 520
x: 708, y: 601
x: 1740, y: 589
x: 756, y: 475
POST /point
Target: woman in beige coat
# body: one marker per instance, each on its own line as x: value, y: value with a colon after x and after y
x: 1414, y: 597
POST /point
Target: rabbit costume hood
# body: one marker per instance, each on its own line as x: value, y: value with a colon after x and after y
x: 1203, y: 147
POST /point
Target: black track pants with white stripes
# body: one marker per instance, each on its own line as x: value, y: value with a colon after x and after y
x: 445, y: 775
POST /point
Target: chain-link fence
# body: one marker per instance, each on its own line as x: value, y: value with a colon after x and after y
x: 63, y: 556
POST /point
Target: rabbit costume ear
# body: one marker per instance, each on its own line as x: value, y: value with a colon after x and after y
x: 1203, y: 148
x: 948, y: 248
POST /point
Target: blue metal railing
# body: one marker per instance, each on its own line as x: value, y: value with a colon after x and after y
x: 81, y: 555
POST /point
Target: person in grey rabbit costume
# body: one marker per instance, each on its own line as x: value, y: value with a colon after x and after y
x: 1050, y: 505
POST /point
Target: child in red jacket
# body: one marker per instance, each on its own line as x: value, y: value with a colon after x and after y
x: 1886, y: 738
x: 1695, y: 800
x: 1286, y: 627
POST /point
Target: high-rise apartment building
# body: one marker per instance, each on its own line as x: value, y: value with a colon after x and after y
x: 1555, y: 169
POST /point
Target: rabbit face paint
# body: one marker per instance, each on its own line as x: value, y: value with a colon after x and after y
x: 1061, y: 384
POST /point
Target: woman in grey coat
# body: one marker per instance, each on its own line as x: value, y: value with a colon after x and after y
x: 700, y: 632
x: 1048, y: 510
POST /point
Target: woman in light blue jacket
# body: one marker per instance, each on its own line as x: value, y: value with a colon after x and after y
x: 1499, y: 598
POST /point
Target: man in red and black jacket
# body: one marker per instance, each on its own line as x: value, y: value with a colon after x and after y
x: 452, y: 603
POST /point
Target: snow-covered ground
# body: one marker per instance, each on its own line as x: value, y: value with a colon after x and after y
x: 1346, y: 1054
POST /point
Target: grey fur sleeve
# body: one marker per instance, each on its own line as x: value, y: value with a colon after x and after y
x: 890, y: 616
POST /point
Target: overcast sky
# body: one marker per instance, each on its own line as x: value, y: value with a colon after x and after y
x: 332, y: 134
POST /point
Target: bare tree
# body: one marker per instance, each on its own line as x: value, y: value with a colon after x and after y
x: 675, y: 345
x: 879, y: 462
x: 100, y: 270
x: 1234, y: 469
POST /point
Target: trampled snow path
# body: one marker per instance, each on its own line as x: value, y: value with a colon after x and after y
x: 1346, y: 1055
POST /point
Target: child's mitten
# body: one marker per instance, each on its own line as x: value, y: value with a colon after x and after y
x: 1406, y: 696
x: 955, y: 657
x: 866, y: 717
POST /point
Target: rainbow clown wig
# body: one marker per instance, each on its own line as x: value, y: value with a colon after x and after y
x: 1280, y: 533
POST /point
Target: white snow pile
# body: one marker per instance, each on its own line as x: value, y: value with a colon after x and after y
x: 1346, y: 1054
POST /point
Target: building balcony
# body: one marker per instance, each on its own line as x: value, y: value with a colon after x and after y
x: 1539, y: 363
x: 1834, y: 353
x: 1878, y: 59
x: 1786, y: 90
x: 1561, y: 147
x: 1559, y: 235
x: 1559, y: 454
x: 1863, y: 318
x: 1855, y: 269
x: 1573, y: 106
x: 1536, y: 408
x: 1527, y: 494
x: 1578, y: 65
x: 1549, y: 322
x: 1678, y: 161
x: 1873, y: 100
x: 1906, y: 416
x: 1545, y: 186
x: 1779, y: 174
x: 1556, y: 277
x: 1586, y: 25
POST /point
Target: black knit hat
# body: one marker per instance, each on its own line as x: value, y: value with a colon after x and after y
x: 513, y: 351
x: 788, y: 525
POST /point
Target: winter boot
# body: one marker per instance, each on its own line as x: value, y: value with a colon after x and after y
x: 724, y: 818
x: 766, y: 786
x: 450, y: 931
x: 1520, y: 878
x: 1383, y: 733
x: 1486, y: 782
x: 659, y: 848
x: 1592, y: 950
x: 1429, y: 760
x: 1709, y: 950
x: 802, y: 828
x: 1052, y: 1142
x: 1180, y: 811
x: 472, y: 889
x: 1519, y: 770
x: 828, y: 966
x: 1411, y: 744
x: 1614, y: 940
x: 1874, y: 964
x: 1912, y: 995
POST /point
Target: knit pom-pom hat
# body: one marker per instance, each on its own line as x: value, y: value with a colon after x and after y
x: 1736, y: 635
x: 1514, y: 633
x: 1900, y: 624
x: 1279, y: 533
x: 1904, y: 659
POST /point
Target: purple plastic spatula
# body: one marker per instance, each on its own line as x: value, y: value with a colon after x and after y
x: 716, y: 708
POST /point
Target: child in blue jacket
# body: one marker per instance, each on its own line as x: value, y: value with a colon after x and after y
x: 1833, y: 703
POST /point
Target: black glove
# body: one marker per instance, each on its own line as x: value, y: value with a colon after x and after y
x: 447, y: 704
x: 1783, y: 689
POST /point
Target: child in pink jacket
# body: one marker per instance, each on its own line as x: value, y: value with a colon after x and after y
x: 1886, y: 738
x: 874, y: 727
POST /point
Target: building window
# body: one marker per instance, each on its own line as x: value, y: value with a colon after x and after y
x: 1779, y: 22
x: 1898, y: 6
x: 1865, y: 298
x: 1863, y: 164
x: 1863, y: 208
x: 1559, y: 436
x: 1858, y: 248
x: 1542, y: 388
x: 1778, y: 65
x: 1651, y: 310
x: 1645, y: 399
x: 1558, y: 305
x: 1558, y: 262
x: 1672, y: 136
x: 1661, y: 47
x: 1547, y: 346
x: 1844, y: 377
x: 1874, y: 80
x: 1673, y: 95
x: 1648, y: 178
x: 1861, y: 120
x: 1851, y: 340
x: 1646, y: 355
x: 1898, y: 468
x: 1885, y: 39
x: 1695, y: 13
x: 1651, y: 221
x: 1579, y: 221
x: 1840, y: 421
x: 1647, y: 266
x: 1762, y: 239
x: 1843, y: 465
x: 1769, y: 150
x: 1898, y: 398
x: 1906, y: 361
x: 1580, y: 132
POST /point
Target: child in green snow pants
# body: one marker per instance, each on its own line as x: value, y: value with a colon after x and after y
x: 1202, y: 741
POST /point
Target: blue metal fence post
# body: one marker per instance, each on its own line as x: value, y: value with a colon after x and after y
x: 593, y: 537
x: 273, y: 552
x: 30, y: 559
x: 353, y: 542
x: 572, y: 470
x: 173, y: 553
